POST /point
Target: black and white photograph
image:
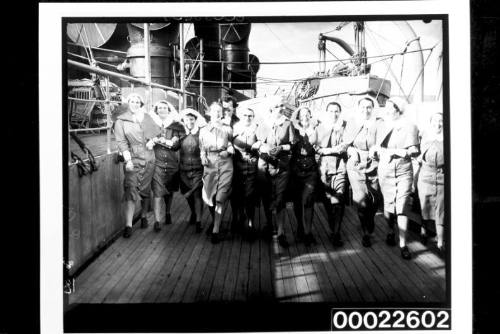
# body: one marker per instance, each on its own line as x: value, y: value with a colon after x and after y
x: 245, y: 171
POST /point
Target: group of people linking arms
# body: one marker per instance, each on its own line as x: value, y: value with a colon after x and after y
x: 301, y: 159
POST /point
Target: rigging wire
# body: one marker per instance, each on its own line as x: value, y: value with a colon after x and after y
x: 422, y: 70
x: 392, y: 73
x: 335, y: 56
x: 380, y: 35
x: 388, y: 55
x: 338, y: 27
x: 284, y: 45
x: 385, y: 76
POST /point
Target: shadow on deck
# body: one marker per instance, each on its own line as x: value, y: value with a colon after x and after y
x: 177, y: 265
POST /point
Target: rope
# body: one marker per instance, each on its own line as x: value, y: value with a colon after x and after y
x: 422, y: 70
x: 78, y: 160
x: 335, y: 56
x: 91, y: 57
x: 388, y: 55
x: 337, y: 28
x: 82, y: 168
x: 385, y: 76
x: 392, y: 73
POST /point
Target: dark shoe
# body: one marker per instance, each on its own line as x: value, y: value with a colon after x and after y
x: 442, y: 252
x: 157, y: 227
x: 127, y: 232
x: 236, y: 226
x: 168, y: 219
x: 309, y: 239
x: 336, y: 240
x: 282, y: 241
x: 300, y: 234
x: 215, y: 238
x: 210, y: 229
x: 405, y: 253
x: 390, y: 239
x: 268, y: 232
x: 249, y: 234
x: 366, y: 242
x: 144, y: 222
x: 424, y: 239
x: 198, y: 227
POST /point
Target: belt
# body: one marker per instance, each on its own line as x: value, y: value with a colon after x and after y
x: 433, y: 168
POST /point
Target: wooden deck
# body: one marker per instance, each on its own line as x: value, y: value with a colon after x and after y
x: 179, y: 266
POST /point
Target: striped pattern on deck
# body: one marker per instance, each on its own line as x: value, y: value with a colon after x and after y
x: 179, y: 266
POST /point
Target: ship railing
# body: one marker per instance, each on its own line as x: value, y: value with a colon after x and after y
x: 107, y: 101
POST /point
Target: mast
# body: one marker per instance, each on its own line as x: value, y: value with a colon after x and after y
x: 359, y: 39
x: 147, y: 67
x: 182, y: 105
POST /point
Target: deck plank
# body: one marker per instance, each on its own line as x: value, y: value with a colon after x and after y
x: 301, y: 259
x: 167, y: 262
x: 216, y: 290
x: 335, y: 257
x: 121, y: 277
x: 253, y: 292
x: 178, y: 265
x: 379, y: 287
x: 139, y: 282
x: 393, y: 288
x: 177, y: 272
x: 267, y: 276
x: 394, y: 261
x: 197, y: 277
x: 318, y: 280
x: 106, y: 270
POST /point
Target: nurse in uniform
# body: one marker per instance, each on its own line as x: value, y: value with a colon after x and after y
x: 431, y: 178
x: 134, y: 130
x: 398, y: 143
x: 216, y: 150
x: 166, y: 175
x: 191, y: 169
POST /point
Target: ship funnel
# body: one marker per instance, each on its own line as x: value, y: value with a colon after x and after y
x: 163, y: 36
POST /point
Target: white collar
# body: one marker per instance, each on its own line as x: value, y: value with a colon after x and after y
x: 137, y: 118
x: 162, y: 122
x: 193, y: 131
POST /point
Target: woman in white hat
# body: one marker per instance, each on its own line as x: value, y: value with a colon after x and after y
x: 398, y: 143
x: 431, y: 179
x: 166, y: 175
x: 134, y: 130
x: 216, y: 150
x: 191, y: 169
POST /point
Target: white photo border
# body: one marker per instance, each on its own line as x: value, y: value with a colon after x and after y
x: 51, y: 144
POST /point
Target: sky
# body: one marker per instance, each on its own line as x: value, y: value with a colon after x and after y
x: 298, y: 41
